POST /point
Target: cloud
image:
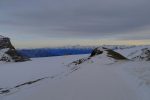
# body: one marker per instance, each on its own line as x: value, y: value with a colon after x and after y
x: 74, y: 17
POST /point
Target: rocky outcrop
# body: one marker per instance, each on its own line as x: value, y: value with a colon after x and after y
x: 103, y: 52
x: 108, y: 53
x: 8, y: 53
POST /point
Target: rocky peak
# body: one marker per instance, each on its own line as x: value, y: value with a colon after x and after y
x: 7, y: 51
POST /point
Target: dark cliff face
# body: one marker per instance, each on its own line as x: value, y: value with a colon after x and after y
x: 8, y: 52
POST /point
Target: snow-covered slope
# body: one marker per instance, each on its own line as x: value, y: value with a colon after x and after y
x: 138, y: 53
x: 8, y: 53
x: 103, y: 54
x: 103, y: 75
x: 51, y: 79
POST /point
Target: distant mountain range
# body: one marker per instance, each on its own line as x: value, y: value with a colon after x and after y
x: 8, y: 53
x: 47, y: 52
x: 67, y: 50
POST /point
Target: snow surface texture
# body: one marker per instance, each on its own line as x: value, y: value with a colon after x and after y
x: 98, y: 78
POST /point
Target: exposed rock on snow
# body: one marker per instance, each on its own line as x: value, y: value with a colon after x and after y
x: 8, y: 53
x: 103, y: 52
x: 139, y: 53
x: 108, y: 53
x: 144, y: 54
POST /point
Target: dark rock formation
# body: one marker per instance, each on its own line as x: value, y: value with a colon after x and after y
x: 95, y: 52
x: 108, y: 52
x: 80, y: 61
x: 8, y: 52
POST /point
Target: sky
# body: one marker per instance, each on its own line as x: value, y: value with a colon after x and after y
x: 47, y: 23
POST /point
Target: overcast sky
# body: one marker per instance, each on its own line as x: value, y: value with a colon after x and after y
x: 71, y: 22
